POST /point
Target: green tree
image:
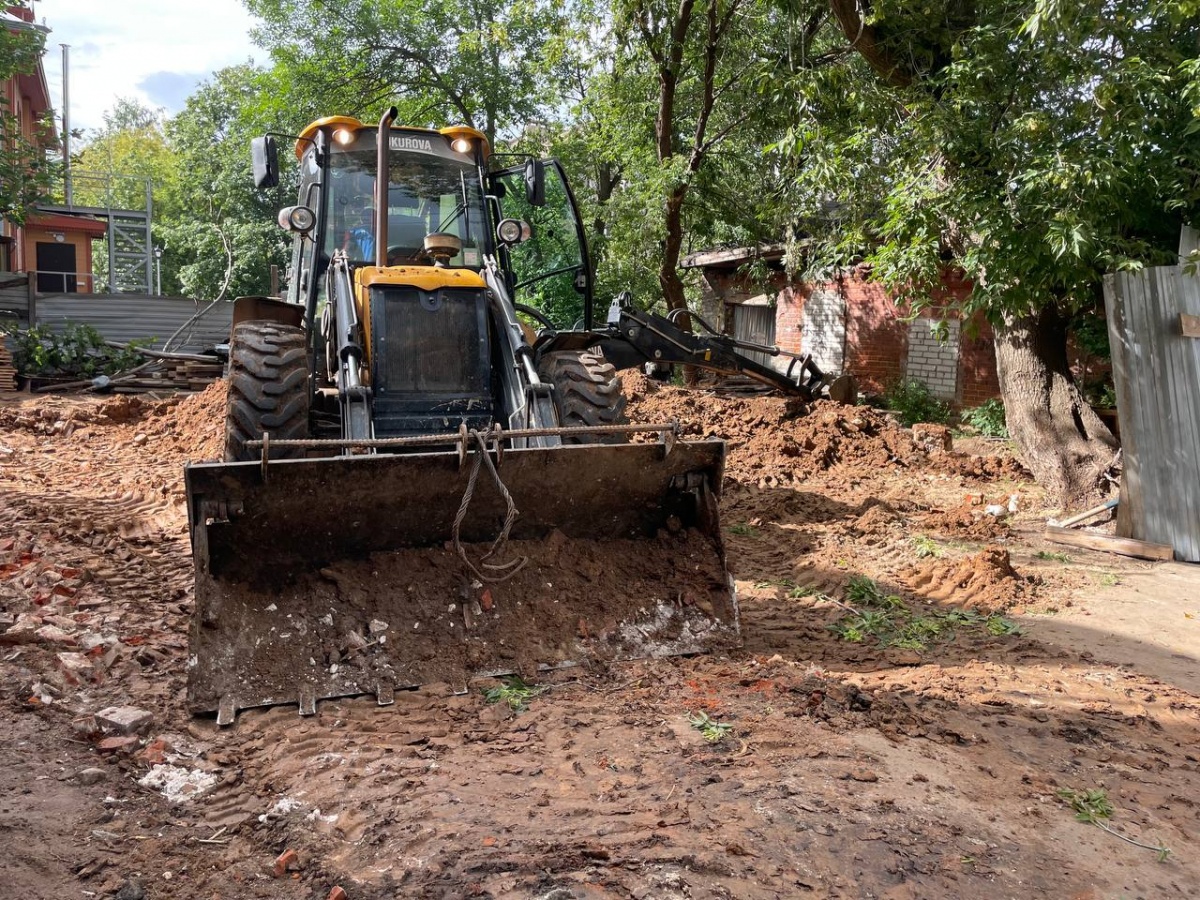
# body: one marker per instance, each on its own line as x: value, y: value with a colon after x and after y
x: 116, y: 161
x: 116, y: 166
x: 1036, y: 144
x: 682, y: 106
x: 220, y: 235
x: 26, y: 173
x: 476, y: 62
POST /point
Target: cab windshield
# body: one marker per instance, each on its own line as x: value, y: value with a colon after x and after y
x: 432, y: 189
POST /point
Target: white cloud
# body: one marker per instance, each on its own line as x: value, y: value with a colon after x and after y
x: 154, y: 50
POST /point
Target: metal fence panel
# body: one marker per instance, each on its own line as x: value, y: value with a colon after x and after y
x: 127, y: 317
x: 1157, y: 375
x: 14, y: 296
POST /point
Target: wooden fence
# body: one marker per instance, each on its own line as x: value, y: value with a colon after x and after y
x: 1154, y: 330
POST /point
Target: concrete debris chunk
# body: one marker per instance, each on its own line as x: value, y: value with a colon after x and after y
x: 52, y: 634
x: 92, y: 775
x: 75, y: 667
x: 24, y: 631
x: 124, y: 719
x: 933, y: 439
x: 178, y: 784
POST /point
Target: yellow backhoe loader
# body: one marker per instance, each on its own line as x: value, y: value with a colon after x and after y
x: 418, y: 485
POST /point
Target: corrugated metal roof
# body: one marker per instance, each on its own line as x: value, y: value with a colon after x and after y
x: 128, y: 317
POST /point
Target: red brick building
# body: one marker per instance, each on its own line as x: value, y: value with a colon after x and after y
x: 850, y: 324
x: 57, y: 247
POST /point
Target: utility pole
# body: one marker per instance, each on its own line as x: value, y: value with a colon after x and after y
x: 158, y: 271
x: 66, y: 122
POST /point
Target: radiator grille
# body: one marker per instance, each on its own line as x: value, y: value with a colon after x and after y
x: 430, y: 343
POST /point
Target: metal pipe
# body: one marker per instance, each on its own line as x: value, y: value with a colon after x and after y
x: 429, y: 440
x: 66, y: 123
x: 346, y: 318
x: 382, y: 181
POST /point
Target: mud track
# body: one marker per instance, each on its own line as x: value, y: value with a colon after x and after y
x: 850, y: 769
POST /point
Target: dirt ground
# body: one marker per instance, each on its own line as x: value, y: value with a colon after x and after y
x: 922, y: 767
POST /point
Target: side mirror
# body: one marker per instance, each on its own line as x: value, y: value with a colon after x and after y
x: 265, y: 157
x: 535, y: 182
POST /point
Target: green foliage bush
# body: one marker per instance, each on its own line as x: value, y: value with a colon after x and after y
x: 915, y: 403
x: 79, y: 352
x: 987, y: 418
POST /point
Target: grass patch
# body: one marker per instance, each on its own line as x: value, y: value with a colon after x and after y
x: 743, y: 529
x: 515, y: 692
x: 794, y: 591
x: 1094, y: 808
x: 891, y: 622
x: 1053, y: 557
x: 1109, y: 580
x: 710, y: 729
x: 925, y: 547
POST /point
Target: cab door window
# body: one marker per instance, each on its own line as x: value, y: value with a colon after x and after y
x: 551, y: 270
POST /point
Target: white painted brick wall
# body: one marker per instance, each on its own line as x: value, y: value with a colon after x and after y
x: 932, y: 361
x: 823, y: 330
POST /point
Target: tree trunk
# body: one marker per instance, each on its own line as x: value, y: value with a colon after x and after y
x: 1059, y: 436
x: 668, y: 270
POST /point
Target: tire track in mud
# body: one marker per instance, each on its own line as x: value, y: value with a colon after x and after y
x: 595, y: 787
x: 136, y: 546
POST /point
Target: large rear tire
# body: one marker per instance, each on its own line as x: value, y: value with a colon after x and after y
x: 587, y: 392
x: 268, y: 388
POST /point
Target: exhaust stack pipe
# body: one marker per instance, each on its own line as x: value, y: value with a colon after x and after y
x: 381, y: 185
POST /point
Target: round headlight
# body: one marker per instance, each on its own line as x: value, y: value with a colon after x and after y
x: 344, y: 136
x: 297, y: 218
x: 302, y: 219
x: 512, y: 231
x: 460, y: 145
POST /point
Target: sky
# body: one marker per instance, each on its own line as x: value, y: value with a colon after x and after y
x: 156, y: 51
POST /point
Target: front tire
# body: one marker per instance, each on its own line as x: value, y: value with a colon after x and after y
x: 587, y: 392
x: 268, y: 389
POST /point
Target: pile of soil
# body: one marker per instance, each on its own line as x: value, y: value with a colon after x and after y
x: 198, y: 421
x: 774, y: 441
x: 967, y: 520
x: 986, y: 582
x: 985, y: 468
x: 414, y: 616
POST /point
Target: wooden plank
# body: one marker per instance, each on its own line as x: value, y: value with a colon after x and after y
x: 1089, y: 540
x: 1088, y: 514
x: 1189, y: 325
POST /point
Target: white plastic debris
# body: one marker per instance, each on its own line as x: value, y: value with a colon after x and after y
x: 178, y: 784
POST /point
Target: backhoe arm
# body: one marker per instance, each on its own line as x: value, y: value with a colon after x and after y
x: 635, y: 337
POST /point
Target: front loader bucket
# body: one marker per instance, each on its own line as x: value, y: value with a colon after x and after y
x: 320, y: 578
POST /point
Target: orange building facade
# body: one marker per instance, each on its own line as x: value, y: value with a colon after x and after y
x: 54, y: 250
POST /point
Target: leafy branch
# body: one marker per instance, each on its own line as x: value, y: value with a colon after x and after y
x: 1093, y: 807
